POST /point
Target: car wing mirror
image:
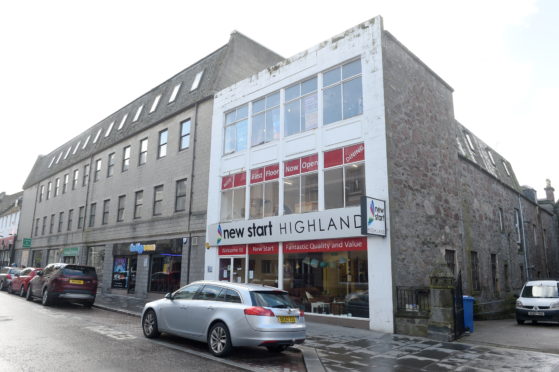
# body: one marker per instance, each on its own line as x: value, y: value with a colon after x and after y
x: 169, y: 296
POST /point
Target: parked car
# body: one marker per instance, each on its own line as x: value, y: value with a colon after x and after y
x: 7, y: 274
x: 20, y: 283
x: 226, y: 315
x: 538, y: 301
x: 64, y: 282
x: 357, y: 304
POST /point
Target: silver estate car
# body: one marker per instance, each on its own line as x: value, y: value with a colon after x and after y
x: 226, y: 315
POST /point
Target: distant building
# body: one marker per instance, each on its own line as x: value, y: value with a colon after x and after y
x: 10, y: 207
x: 129, y: 194
x: 296, y: 146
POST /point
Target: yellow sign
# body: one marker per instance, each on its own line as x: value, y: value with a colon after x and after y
x: 149, y: 247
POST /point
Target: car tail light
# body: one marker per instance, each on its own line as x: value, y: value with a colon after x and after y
x: 9, y: 276
x: 301, y: 313
x: 258, y: 311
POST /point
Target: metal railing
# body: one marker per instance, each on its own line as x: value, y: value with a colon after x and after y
x: 412, y: 299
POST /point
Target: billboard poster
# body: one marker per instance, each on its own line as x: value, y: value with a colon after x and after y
x: 373, y: 216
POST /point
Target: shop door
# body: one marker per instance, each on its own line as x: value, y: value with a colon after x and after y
x: 238, y: 274
x: 132, y: 274
x: 232, y: 269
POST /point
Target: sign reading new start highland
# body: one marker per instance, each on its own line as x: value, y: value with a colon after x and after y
x: 329, y: 224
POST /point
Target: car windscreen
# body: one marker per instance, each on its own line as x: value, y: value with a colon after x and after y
x: 276, y: 299
x: 78, y: 271
x: 540, y: 291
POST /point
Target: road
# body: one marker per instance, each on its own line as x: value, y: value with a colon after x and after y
x: 74, y: 338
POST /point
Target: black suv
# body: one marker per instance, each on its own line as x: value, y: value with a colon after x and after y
x: 64, y: 282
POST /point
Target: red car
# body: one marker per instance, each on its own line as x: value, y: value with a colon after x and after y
x: 21, y: 281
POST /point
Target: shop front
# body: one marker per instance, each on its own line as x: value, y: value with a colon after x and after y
x: 70, y: 255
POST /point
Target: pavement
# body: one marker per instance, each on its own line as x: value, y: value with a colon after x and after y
x: 335, y: 348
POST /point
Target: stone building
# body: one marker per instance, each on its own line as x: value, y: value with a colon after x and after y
x: 129, y: 194
x: 10, y: 207
x: 297, y: 146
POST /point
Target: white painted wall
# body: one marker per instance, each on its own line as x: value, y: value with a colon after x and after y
x: 362, y: 41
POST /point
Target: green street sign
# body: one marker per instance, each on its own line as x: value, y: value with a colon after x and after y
x: 70, y: 251
x: 26, y: 242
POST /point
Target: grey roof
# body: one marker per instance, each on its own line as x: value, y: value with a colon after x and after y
x: 8, y: 201
x: 216, y: 76
x: 482, y: 156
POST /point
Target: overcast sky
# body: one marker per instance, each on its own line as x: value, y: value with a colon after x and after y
x: 66, y: 65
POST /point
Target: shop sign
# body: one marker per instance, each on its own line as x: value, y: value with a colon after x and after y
x: 301, y: 165
x: 264, y: 248
x: 345, y: 155
x: 233, y: 180
x: 70, y: 251
x: 149, y: 247
x: 141, y: 248
x: 329, y: 224
x: 373, y: 216
x: 268, y: 173
x: 230, y: 250
x: 26, y: 243
x: 326, y: 245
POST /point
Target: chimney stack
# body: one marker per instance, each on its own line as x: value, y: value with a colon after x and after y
x: 549, y: 191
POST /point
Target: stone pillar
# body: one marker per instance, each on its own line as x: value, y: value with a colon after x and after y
x: 142, y: 276
x: 441, y: 321
x: 549, y: 191
x: 107, y: 269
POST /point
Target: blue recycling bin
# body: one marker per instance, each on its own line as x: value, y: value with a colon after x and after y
x: 468, y: 302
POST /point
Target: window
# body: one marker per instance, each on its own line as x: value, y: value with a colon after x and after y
x: 494, y: 277
x: 109, y: 129
x: 97, y: 135
x: 143, y: 151
x: 122, y: 122
x: 157, y: 200
x: 41, y: 193
x: 138, y: 202
x: 51, y: 228
x: 491, y: 157
x: 111, y: 164
x: 301, y: 107
x: 86, y: 141
x: 264, y: 192
x: 85, y: 180
x: 344, y: 176
x: 517, y: 226
x: 187, y: 293
x: 162, y: 149
x: 185, y: 135
x: 300, y: 187
x: 175, y: 92
x: 506, y: 168
x: 67, y: 152
x: 138, y: 112
x: 342, y: 92
x: 155, y: 103
x: 60, y: 221
x: 469, y: 141
x: 37, y: 222
x: 265, y: 119
x: 196, y: 81
x: 126, y: 158
x: 105, y: 218
x: 180, y: 195
x: 450, y: 259
x: 236, y: 130
x: 97, y: 170
x: 501, y: 222
x: 52, y: 161
x: 65, y: 183
x: 81, y: 214
x: 56, y: 187
x: 120, y: 210
x: 233, y: 197
x: 475, y: 271
x: 75, y: 178
x: 92, y: 209
x: 44, y: 225
x: 59, y: 156
x: 76, y: 148
x: 70, y: 217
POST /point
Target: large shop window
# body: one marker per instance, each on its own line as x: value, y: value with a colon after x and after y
x: 301, y: 107
x: 264, y: 191
x: 236, y: 130
x: 233, y: 195
x: 96, y: 258
x: 300, y: 185
x: 266, y: 119
x: 344, y: 176
x: 165, y: 269
x: 342, y: 92
x: 328, y: 276
x: 263, y: 264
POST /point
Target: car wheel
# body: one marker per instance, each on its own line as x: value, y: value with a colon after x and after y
x: 88, y: 304
x: 276, y: 348
x: 520, y: 321
x: 29, y: 295
x: 149, y: 324
x: 46, y: 300
x: 219, y: 340
x: 22, y: 291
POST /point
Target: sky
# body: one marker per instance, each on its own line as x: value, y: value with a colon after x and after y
x: 66, y: 65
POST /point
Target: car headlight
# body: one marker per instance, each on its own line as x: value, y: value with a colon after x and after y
x: 554, y: 305
x: 519, y: 304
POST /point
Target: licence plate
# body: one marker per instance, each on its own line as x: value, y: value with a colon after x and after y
x: 286, y: 319
x: 73, y: 281
x: 536, y: 313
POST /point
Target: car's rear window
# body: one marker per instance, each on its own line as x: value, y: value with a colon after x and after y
x: 78, y: 271
x: 275, y: 299
x: 540, y: 291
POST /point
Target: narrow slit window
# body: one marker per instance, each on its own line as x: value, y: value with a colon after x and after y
x: 52, y: 161
x: 504, y: 165
x: 175, y: 92
x: 122, y: 122
x: 67, y: 152
x: 155, y: 103
x: 138, y: 112
x: 97, y: 135
x: 491, y: 157
x: 59, y: 156
x: 109, y: 129
x: 86, y: 141
x: 196, y: 81
x: 76, y: 148
x: 469, y: 140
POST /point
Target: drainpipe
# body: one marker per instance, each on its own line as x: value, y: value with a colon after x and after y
x: 191, y: 190
x: 523, y: 239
